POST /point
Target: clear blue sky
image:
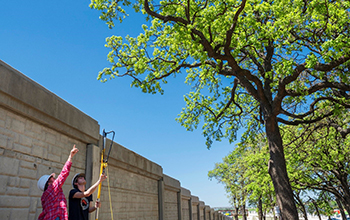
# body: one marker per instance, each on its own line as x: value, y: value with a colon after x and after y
x: 60, y: 45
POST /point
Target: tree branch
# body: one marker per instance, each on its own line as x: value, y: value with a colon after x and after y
x: 299, y: 122
x: 232, y: 100
x: 331, y: 65
x: 164, y: 18
x: 232, y: 28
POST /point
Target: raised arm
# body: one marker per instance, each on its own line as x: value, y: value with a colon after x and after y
x: 72, y: 153
x: 58, y: 183
x: 91, y: 190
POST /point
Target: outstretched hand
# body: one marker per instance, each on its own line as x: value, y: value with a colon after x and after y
x: 74, y: 151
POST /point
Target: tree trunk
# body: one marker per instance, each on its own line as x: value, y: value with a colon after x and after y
x: 278, y: 170
x: 301, y: 205
x: 236, y: 212
x: 341, y: 209
x: 316, y: 208
x: 346, y: 202
x: 304, y: 212
x: 260, y: 209
x: 244, y: 215
x: 345, y: 199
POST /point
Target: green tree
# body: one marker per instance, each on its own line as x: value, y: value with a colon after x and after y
x: 245, y: 170
x: 259, y: 186
x: 300, y: 203
x: 247, y: 59
x: 319, y: 155
x: 321, y: 205
x: 231, y: 172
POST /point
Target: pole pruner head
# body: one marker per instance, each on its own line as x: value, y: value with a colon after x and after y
x: 104, y: 133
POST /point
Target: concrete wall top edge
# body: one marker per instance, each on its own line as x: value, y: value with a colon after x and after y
x: 195, y: 199
x: 169, y: 181
x: 22, y: 88
x: 185, y: 192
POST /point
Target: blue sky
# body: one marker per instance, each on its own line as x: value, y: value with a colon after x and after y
x: 60, y: 45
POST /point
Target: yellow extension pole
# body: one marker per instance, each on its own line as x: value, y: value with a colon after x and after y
x: 103, y: 165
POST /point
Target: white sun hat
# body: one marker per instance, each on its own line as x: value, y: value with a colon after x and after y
x: 43, y: 180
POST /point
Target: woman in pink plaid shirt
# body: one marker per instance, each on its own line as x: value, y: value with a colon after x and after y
x: 53, y: 200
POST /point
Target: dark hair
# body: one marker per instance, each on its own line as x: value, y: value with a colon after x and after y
x: 75, y: 180
x: 47, y: 184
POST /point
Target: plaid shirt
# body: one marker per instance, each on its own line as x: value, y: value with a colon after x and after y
x: 53, y: 200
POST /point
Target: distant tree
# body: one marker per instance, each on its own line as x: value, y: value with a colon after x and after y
x: 245, y: 170
x: 319, y: 155
x: 231, y: 173
x: 321, y: 204
x: 250, y: 61
x: 300, y: 203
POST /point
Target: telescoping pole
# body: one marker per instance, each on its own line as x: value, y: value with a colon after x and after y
x: 101, y: 171
x: 103, y: 164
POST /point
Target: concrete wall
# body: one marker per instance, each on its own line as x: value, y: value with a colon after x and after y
x: 186, y: 204
x: 37, y: 132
